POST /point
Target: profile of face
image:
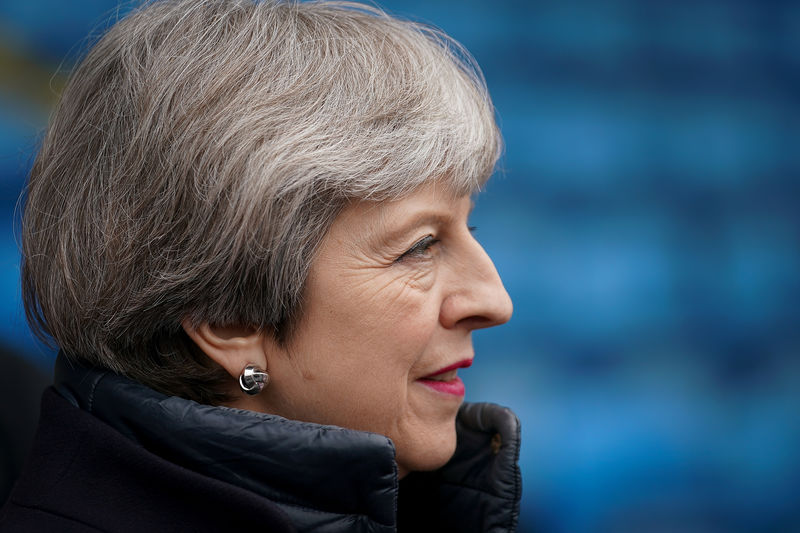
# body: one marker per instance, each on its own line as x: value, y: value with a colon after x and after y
x: 391, y: 300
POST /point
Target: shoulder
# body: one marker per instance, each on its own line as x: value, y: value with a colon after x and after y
x: 82, y: 475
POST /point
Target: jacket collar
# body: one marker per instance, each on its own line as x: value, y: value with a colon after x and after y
x: 299, y: 464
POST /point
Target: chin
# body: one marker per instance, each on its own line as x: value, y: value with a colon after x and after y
x: 428, y: 454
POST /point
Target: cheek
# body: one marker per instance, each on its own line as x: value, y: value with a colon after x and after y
x: 400, y: 331
x: 358, y: 351
x: 382, y: 311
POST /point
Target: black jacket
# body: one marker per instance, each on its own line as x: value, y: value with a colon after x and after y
x: 113, y: 455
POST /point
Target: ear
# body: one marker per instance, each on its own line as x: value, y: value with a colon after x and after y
x: 231, y: 347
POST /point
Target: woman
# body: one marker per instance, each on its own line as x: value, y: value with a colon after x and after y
x: 247, y: 232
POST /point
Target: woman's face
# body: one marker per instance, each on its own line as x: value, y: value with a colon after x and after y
x: 391, y: 301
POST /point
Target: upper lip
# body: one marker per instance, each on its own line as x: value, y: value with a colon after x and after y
x: 464, y: 363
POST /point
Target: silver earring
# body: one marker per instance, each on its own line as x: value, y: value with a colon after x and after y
x: 252, y: 380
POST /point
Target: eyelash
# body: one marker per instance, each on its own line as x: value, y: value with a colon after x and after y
x: 423, y: 245
x: 419, y: 249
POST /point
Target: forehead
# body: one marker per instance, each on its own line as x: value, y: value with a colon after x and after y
x: 373, y: 225
x: 428, y: 205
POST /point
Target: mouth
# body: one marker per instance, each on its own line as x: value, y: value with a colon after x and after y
x: 446, y: 380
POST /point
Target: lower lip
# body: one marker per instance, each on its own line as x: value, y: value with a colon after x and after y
x: 454, y: 387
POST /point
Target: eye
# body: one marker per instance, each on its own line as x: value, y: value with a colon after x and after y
x: 420, y: 249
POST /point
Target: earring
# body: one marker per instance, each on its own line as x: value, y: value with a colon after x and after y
x: 252, y: 380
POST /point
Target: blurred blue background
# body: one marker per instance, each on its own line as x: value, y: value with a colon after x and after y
x: 645, y: 222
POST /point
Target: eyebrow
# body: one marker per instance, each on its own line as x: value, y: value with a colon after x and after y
x: 422, y: 218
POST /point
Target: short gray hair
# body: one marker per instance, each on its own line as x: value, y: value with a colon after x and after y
x: 202, y: 149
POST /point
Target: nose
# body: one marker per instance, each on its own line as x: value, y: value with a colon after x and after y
x: 475, y: 296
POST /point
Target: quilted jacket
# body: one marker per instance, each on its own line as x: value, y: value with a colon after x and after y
x: 113, y: 455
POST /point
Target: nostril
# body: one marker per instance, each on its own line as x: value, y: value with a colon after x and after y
x: 476, y: 322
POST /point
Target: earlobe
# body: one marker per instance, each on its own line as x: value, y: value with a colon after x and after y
x: 231, y: 347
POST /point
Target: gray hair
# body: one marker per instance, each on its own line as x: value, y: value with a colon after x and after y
x: 200, y: 152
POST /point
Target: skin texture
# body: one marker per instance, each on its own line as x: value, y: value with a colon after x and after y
x: 393, y: 296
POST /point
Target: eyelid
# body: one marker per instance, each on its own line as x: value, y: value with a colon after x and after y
x: 421, y: 245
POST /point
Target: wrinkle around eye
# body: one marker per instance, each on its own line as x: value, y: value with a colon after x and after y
x: 421, y: 279
x: 376, y: 279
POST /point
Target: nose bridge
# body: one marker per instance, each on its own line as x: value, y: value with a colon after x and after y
x: 479, y: 294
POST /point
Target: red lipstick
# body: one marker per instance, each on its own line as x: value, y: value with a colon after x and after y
x: 453, y: 386
x: 466, y: 363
